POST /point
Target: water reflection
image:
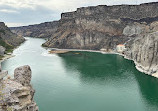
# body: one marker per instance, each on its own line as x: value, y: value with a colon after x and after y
x: 148, y: 87
x: 94, y: 67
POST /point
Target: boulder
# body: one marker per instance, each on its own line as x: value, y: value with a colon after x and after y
x: 22, y: 75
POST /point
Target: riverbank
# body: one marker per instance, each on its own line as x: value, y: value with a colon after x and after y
x: 6, y: 56
x: 142, y: 69
x: 138, y: 66
x: 80, y: 50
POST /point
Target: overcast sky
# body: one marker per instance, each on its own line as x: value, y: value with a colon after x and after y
x: 26, y: 12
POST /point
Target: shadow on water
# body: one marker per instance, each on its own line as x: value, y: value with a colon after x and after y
x: 96, y: 66
x: 148, y: 87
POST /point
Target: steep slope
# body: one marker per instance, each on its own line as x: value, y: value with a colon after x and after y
x: 42, y: 30
x: 8, y: 39
x: 143, y: 50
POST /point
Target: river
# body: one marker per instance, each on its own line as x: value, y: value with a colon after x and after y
x: 84, y: 81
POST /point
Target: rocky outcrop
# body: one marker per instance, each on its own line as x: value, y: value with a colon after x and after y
x: 17, y: 94
x: 42, y: 30
x: 143, y: 50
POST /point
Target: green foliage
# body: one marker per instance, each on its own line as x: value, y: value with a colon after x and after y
x: 8, y: 47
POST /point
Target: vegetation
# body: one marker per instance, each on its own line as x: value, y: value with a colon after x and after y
x: 8, y: 47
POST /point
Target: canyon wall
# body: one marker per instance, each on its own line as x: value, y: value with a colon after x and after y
x: 8, y: 40
x: 17, y: 94
x: 143, y: 50
x: 42, y: 30
x: 102, y: 26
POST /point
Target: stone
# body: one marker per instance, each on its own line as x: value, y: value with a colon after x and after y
x: 132, y: 30
x: 3, y: 74
x: 22, y: 75
x: 16, y: 94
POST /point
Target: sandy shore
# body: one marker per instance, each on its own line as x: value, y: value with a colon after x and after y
x: 74, y: 50
x: 58, y: 51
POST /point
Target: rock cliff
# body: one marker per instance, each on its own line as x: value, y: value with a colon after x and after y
x: 17, y: 94
x: 102, y: 26
x: 42, y: 30
x: 8, y: 39
x: 143, y: 50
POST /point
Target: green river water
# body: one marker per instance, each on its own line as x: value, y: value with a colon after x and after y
x: 84, y: 81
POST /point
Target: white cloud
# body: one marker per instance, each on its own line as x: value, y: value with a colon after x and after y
x: 65, y: 5
x: 8, y: 11
x: 14, y: 24
x: 18, y: 3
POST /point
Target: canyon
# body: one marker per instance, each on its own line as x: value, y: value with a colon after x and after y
x: 104, y: 27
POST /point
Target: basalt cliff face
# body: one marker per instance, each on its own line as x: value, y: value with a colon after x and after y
x: 8, y: 40
x: 102, y: 26
x: 17, y: 94
x: 143, y: 50
x: 42, y: 30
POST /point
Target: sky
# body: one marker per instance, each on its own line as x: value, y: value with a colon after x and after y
x: 26, y: 12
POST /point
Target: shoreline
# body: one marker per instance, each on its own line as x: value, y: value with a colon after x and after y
x: 10, y: 55
x: 137, y: 65
x: 80, y: 50
x: 6, y: 56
